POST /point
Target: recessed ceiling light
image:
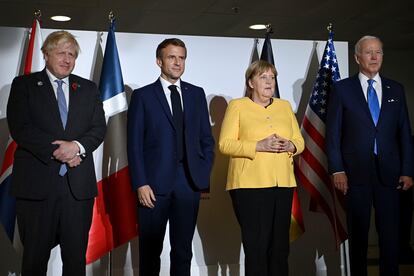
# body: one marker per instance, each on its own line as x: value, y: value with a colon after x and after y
x: 258, y: 27
x: 61, y: 18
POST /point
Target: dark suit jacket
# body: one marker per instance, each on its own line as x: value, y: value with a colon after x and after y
x: 34, y: 121
x: 151, y: 138
x: 350, y: 133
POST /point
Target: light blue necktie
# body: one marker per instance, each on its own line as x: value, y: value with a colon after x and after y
x: 63, y: 110
x: 373, y: 105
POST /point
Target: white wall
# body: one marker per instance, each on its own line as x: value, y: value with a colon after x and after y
x: 218, y: 65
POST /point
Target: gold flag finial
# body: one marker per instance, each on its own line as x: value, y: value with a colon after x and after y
x: 37, y: 14
x: 329, y: 27
x: 269, y: 28
x: 111, y: 16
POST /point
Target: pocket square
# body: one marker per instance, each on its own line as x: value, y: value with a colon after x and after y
x: 391, y: 100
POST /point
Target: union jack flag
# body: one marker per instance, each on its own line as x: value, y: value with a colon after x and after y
x: 312, y: 167
x: 34, y: 62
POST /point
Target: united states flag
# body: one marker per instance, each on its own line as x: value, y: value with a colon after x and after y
x: 312, y: 164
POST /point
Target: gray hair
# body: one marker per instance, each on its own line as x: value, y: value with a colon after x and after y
x: 362, y: 39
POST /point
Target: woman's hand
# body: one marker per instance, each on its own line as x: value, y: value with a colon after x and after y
x: 275, y: 143
x: 268, y: 144
x: 284, y: 145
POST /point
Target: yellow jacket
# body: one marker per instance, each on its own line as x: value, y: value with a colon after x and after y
x: 245, y: 123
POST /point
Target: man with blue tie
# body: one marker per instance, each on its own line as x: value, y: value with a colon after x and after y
x: 170, y: 154
x: 57, y: 121
x: 370, y: 155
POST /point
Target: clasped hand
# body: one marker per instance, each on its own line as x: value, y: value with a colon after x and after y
x: 67, y: 152
x: 275, y: 143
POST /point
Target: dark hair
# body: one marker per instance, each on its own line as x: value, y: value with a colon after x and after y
x: 167, y: 42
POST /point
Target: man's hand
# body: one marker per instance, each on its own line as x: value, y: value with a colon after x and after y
x: 75, y: 161
x: 66, y: 151
x: 146, y: 196
x: 406, y: 182
x: 341, y: 182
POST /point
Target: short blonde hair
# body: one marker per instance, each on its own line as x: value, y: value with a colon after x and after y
x: 257, y: 68
x: 55, y: 38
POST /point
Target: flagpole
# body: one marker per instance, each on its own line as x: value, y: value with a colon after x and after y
x: 344, y: 252
x: 111, y: 18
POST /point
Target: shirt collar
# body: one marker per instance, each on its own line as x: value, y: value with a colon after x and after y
x: 166, y: 83
x: 52, y: 77
x: 364, y: 79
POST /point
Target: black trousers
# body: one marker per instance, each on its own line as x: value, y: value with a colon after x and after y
x: 264, y: 218
x: 359, y: 201
x: 180, y: 209
x: 59, y: 219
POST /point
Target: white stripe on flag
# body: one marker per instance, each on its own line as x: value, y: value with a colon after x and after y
x: 6, y: 174
x: 315, y: 121
x: 318, y: 184
x: 315, y: 149
x: 38, y: 62
x: 116, y: 104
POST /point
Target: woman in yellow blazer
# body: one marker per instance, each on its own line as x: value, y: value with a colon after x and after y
x: 261, y: 135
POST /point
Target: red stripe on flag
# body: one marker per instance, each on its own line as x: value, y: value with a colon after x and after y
x: 29, y: 56
x: 114, y: 219
x: 317, y: 168
x: 297, y: 211
x: 8, y: 157
x: 313, y: 133
x: 339, y: 230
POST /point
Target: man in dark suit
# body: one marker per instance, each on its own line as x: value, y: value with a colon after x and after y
x: 57, y: 121
x: 370, y: 154
x: 170, y: 153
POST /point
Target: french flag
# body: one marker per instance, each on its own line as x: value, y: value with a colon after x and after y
x: 34, y: 62
x: 114, y: 219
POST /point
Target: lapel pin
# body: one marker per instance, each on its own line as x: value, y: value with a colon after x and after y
x: 39, y: 83
x: 387, y: 86
x: 75, y: 86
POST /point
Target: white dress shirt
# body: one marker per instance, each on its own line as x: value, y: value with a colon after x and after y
x: 167, y: 91
x: 377, y: 86
x: 65, y: 87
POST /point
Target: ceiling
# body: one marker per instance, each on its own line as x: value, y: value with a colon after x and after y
x: 392, y: 21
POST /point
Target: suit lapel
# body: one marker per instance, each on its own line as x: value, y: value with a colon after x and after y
x: 386, y: 98
x: 160, y: 95
x: 188, y: 104
x: 74, y: 101
x: 49, y: 97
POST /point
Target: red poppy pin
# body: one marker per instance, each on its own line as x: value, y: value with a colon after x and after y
x: 75, y: 86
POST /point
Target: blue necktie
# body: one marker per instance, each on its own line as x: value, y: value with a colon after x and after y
x: 63, y: 110
x: 373, y: 105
